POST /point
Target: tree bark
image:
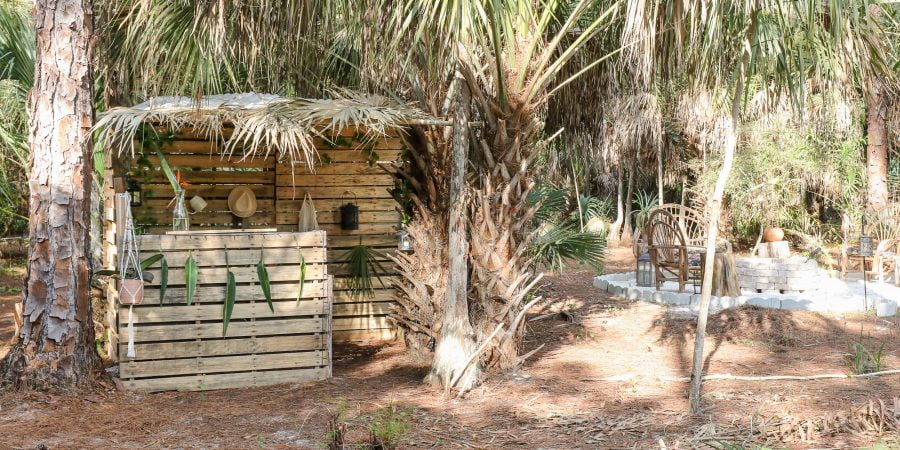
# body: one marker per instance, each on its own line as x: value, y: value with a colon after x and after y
x: 629, y: 200
x: 615, y: 228
x: 876, y: 149
x: 715, y: 210
x: 56, y: 348
x: 659, y: 175
x: 456, y: 343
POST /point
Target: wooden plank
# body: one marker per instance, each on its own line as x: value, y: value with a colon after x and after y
x: 378, y: 295
x: 350, y: 155
x: 381, y: 334
x: 324, y: 217
x: 360, y: 323
x: 213, y: 205
x: 157, y: 216
x: 219, y: 364
x: 335, y: 168
x: 226, y: 380
x: 170, y: 332
x: 271, y: 256
x: 236, y: 241
x: 341, y: 284
x: 336, y: 180
x: 354, y: 146
x: 332, y: 204
x: 207, y: 191
x: 374, y: 241
x: 361, y: 309
x: 340, y: 256
x: 180, y: 313
x: 211, y: 161
x: 220, y: 177
x: 338, y: 192
x: 220, y: 347
x: 243, y: 293
x: 212, y: 275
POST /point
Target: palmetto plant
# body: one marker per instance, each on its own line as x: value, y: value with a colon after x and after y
x: 558, y: 237
x: 16, y: 77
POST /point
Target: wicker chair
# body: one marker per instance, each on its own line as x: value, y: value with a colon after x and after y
x: 884, y: 227
x: 672, y: 252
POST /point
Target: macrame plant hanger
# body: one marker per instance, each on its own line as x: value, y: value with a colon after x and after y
x: 129, y: 262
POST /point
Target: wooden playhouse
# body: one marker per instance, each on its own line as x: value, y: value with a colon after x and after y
x: 336, y: 152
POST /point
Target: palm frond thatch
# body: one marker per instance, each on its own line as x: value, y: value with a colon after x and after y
x: 262, y: 123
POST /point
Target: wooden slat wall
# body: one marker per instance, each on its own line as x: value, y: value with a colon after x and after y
x: 349, y: 171
x: 181, y: 347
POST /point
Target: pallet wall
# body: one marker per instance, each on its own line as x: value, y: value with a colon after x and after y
x: 182, y: 347
x: 347, y: 171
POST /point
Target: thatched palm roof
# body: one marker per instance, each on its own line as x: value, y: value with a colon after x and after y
x: 263, y: 123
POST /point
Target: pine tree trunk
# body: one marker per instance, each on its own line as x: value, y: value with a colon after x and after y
x: 876, y: 150
x: 56, y: 348
x: 451, y: 366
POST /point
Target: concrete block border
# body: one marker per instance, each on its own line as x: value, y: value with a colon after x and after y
x: 623, y: 286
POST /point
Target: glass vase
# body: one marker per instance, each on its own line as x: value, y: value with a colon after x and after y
x: 180, y: 221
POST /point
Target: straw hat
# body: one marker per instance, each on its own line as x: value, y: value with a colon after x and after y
x: 242, y: 201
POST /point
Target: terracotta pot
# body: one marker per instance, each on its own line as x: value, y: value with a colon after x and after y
x: 773, y: 234
x: 131, y: 292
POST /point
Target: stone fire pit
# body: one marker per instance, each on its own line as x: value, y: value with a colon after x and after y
x: 790, y: 275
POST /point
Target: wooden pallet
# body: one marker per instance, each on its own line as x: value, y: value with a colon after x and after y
x: 182, y: 347
x: 345, y: 172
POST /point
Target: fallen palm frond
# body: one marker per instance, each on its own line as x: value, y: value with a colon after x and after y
x: 263, y: 123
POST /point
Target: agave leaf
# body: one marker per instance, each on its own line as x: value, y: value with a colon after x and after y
x: 163, y: 279
x: 190, y: 277
x: 150, y: 261
x: 164, y: 164
x: 229, y: 302
x: 302, y: 276
x: 263, y: 275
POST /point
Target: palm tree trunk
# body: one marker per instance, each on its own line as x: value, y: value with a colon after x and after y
x: 715, y: 210
x: 876, y: 149
x: 56, y: 349
x: 451, y: 364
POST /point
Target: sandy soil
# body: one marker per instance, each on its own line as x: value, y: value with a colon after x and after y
x: 598, y: 380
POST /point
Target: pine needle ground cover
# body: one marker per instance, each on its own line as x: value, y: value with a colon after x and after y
x: 595, y: 383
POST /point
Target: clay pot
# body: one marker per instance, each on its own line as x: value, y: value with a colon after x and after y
x: 131, y: 292
x: 773, y: 234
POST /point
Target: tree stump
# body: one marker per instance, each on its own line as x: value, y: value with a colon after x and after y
x: 725, y: 279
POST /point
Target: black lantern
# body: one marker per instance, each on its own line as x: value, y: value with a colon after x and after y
x: 349, y: 216
x: 644, y: 273
x: 134, y: 192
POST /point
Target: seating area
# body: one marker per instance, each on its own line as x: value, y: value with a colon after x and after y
x: 884, y: 261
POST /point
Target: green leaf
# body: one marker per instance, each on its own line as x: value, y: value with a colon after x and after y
x: 263, y: 275
x: 163, y: 279
x: 302, y: 275
x: 190, y: 277
x: 229, y: 302
x: 164, y: 164
x: 151, y: 261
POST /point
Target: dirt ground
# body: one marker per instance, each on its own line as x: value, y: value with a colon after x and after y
x: 602, y: 378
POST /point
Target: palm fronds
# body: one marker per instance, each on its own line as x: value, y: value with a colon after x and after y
x: 561, y: 243
x: 262, y: 122
x: 363, y: 264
